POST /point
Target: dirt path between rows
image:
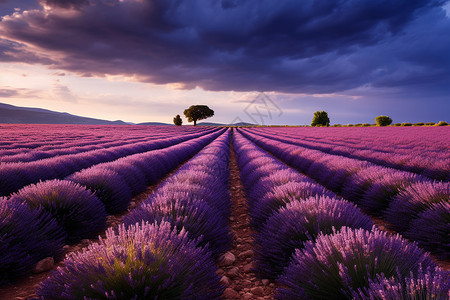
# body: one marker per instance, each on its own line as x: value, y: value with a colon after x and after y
x: 238, y: 275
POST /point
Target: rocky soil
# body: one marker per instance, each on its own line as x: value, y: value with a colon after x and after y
x: 236, y: 268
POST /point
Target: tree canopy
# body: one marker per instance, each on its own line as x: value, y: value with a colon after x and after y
x: 383, y: 121
x: 177, y: 120
x: 198, y: 112
x: 320, y: 119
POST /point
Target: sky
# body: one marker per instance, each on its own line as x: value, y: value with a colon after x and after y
x: 258, y: 61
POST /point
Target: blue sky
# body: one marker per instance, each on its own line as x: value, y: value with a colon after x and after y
x: 147, y: 60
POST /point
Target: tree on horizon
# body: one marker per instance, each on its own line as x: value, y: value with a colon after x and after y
x: 383, y: 121
x: 320, y: 119
x: 177, y: 120
x: 198, y: 112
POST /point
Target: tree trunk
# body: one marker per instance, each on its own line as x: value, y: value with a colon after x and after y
x: 195, y: 122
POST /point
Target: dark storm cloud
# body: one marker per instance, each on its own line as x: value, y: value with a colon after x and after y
x: 11, y: 51
x: 290, y: 46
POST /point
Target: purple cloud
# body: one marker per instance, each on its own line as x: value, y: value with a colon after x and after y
x: 287, y: 46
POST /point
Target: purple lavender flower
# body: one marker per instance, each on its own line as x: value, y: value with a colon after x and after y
x: 378, y: 196
x: 107, y: 185
x: 201, y: 221
x: 338, y: 171
x: 130, y: 173
x: 272, y: 180
x: 152, y: 167
x: 12, y: 178
x: 431, y: 229
x: 245, y: 153
x: 286, y: 175
x: 262, y: 159
x: 77, y: 210
x: 254, y: 158
x: 434, y: 284
x: 145, y: 261
x: 258, y: 173
x: 26, y: 236
x: 338, y: 264
x: 219, y: 171
x: 196, y: 177
x: 416, y: 198
x: 216, y: 197
x: 356, y: 185
x: 301, y: 221
x: 302, y: 158
x: 280, y: 196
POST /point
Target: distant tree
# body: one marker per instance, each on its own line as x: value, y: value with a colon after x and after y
x: 198, y: 112
x: 177, y: 120
x: 383, y: 121
x: 320, y: 119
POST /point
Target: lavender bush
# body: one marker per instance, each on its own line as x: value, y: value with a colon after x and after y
x: 107, y: 185
x: 152, y: 168
x: 26, y: 236
x: 255, y: 174
x: 338, y: 264
x: 77, y: 210
x: 338, y: 171
x: 433, y: 284
x: 431, y: 229
x: 130, y: 173
x: 272, y: 180
x: 217, y: 197
x: 280, y: 196
x: 299, y: 222
x: 356, y: 185
x: 12, y: 178
x: 145, y: 261
x: 378, y: 196
x: 201, y: 221
x: 416, y: 198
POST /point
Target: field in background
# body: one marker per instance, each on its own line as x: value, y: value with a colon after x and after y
x: 308, y: 190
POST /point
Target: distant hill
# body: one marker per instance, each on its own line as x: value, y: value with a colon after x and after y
x: 220, y: 124
x: 11, y: 114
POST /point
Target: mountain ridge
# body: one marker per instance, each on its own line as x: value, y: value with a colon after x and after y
x: 10, y: 114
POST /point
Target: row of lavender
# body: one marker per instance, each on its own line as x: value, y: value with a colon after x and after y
x: 71, y: 140
x: 166, y: 247
x: 74, y: 147
x: 319, y: 246
x: 40, y: 219
x: 413, y: 205
x: 14, y: 176
x: 418, y: 141
x: 428, y: 155
x: 35, y: 136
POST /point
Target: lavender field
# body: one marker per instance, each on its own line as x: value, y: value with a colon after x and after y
x: 149, y: 212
